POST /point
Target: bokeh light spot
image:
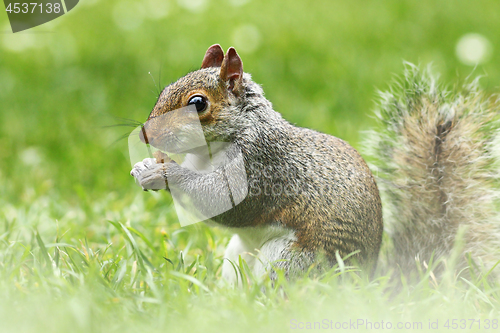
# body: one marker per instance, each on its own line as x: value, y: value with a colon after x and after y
x: 246, y: 38
x: 157, y: 9
x: 473, y: 49
x: 194, y: 6
x: 128, y: 15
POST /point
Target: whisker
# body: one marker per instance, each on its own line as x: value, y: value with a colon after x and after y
x: 122, y: 125
x: 125, y: 122
x: 128, y: 120
x: 159, y: 81
x: 120, y: 138
x: 156, y: 86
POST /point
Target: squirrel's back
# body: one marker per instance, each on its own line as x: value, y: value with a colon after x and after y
x: 335, y: 204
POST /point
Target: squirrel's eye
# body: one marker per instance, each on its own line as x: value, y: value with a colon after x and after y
x: 199, y: 102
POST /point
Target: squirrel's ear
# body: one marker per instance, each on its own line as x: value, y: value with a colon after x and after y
x: 213, y: 57
x: 232, y: 69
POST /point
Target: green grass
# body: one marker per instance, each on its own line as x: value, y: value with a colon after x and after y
x: 83, y: 249
x: 117, y: 279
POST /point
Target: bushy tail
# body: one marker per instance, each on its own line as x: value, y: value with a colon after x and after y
x: 437, y: 161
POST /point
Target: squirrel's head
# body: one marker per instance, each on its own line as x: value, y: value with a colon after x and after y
x: 214, y: 91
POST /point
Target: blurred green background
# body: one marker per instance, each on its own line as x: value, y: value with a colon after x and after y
x: 64, y: 174
x: 319, y: 63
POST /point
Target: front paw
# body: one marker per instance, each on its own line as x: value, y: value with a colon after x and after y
x: 150, y: 174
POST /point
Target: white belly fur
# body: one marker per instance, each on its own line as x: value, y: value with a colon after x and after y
x: 259, y: 247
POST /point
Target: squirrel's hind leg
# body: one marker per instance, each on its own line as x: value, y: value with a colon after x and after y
x: 264, y: 257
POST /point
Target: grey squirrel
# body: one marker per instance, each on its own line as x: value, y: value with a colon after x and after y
x: 333, y: 209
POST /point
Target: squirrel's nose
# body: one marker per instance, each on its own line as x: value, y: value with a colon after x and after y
x: 143, y: 136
